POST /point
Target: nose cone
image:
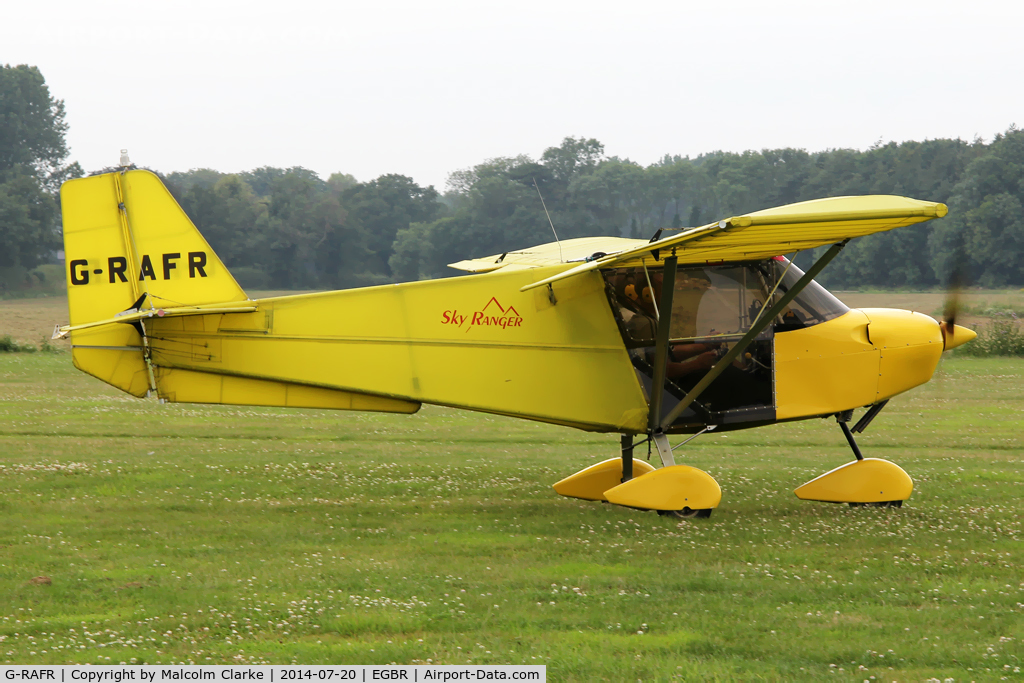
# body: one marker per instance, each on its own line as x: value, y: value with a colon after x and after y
x: 952, y: 338
x: 909, y: 344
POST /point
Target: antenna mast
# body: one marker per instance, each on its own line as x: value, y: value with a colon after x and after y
x: 560, y: 257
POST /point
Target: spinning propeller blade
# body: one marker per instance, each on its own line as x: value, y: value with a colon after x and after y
x: 952, y: 334
x: 949, y: 310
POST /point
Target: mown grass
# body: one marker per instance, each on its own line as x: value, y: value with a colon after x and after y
x: 176, y: 533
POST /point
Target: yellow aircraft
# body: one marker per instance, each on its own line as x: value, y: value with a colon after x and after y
x: 569, y: 333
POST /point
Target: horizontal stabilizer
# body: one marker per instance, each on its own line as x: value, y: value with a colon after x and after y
x: 133, y: 315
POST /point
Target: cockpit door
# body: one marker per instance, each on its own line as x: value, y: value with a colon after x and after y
x: 713, y: 306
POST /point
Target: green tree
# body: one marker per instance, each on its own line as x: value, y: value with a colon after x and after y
x: 445, y: 241
x: 339, y: 182
x: 382, y: 207
x: 573, y: 157
x: 28, y: 216
x: 411, y: 252
x: 33, y: 163
x: 32, y: 127
x: 995, y: 239
x: 295, y: 226
x: 180, y: 182
x: 226, y: 211
x: 983, y: 234
x: 615, y: 195
x: 308, y: 232
x: 262, y: 179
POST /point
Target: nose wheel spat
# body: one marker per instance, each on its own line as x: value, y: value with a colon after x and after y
x: 865, y: 481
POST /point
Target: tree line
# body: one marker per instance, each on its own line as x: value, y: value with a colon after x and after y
x: 288, y: 228
x: 291, y: 229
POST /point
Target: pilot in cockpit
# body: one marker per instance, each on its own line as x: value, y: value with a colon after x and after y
x: 683, y: 359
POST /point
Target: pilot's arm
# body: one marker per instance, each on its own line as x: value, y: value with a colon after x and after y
x: 697, y: 363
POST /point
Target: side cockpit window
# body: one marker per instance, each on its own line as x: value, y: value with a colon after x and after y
x: 631, y: 294
x: 713, y: 306
x: 713, y: 303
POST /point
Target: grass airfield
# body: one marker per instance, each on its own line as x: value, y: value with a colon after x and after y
x: 211, y: 534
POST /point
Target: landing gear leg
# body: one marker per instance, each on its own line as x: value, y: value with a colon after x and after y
x: 627, y: 457
x: 842, y: 419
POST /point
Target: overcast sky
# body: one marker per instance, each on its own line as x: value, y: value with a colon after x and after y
x: 425, y: 88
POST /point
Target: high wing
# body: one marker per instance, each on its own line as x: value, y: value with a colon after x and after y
x: 552, y: 253
x: 768, y: 233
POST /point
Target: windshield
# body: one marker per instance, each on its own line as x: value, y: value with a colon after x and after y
x: 813, y: 305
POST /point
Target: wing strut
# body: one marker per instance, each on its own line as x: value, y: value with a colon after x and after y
x: 767, y: 319
x: 668, y: 285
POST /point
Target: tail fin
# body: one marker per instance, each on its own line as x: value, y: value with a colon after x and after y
x: 128, y: 244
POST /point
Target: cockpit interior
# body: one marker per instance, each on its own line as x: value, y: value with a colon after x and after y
x: 713, y: 306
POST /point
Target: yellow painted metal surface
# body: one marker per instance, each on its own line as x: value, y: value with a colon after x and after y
x: 478, y: 342
x: 591, y: 483
x: 93, y: 233
x: 780, y: 230
x: 473, y: 342
x: 870, y: 480
x: 826, y: 368
x: 669, y: 488
x: 147, y: 313
x: 160, y: 252
x: 862, y: 357
x: 910, y: 345
x: 185, y: 386
x: 113, y: 257
x: 552, y: 253
x: 114, y: 356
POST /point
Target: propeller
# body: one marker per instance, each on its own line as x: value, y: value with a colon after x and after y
x: 952, y: 334
x: 950, y: 309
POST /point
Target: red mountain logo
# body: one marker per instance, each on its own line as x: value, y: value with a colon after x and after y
x: 493, y: 314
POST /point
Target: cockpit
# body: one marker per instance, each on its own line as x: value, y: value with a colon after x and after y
x: 713, y: 306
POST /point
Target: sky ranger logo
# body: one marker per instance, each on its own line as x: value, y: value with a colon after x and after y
x: 493, y: 314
